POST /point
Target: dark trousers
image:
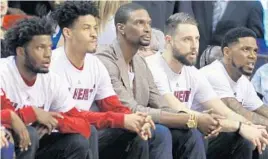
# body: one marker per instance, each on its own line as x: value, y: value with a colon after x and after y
x: 30, y: 153
x: 229, y: 145
x: 63, y: 146
x: 93, y: 143
x: 188, y: 144
x: 122, y: 144
x: 264, y: 154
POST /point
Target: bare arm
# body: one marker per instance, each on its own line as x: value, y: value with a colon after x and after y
x: 219, y: 107
x: 175, y: 104
x: 263, y: 110
x: 233, y: 104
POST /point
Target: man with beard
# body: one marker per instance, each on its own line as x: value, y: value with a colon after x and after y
x: 90, y: 85
x: 228, y: 77
x: 179, y: 81
x: 38, y: 95
x: 133, y: 82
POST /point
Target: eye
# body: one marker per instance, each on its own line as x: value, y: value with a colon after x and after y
x: 246, y: 49
x: 186, y: 39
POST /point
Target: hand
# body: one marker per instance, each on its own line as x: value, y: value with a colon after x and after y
x: 148, y: 119
x: 41, y: 130
x: 20, y: 129
x: 134, y: 122
x: 258, y: 137
x: 4, y: 142
x: 47, y: 118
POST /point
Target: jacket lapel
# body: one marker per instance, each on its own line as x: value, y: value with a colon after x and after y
x: 121, y: 65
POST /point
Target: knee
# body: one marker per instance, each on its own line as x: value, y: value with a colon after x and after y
x: 93, y: 133
x: 33, y: 134
x: 162, y: 134
x: 194, y: 138
x: 79, y: 143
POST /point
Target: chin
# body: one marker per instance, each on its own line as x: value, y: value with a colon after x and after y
x: 44, y: 71
x: 92, y: 50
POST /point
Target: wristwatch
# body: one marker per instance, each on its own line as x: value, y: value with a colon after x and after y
x: 192, y: 121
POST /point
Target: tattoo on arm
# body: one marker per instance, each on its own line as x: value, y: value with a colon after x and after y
x: 233, y: 104
x: 263, y: 110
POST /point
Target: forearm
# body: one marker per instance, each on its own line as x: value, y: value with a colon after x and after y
x: 251, y: 116
x: 175, y: 104
x: 113, y: 104
x: 100, y: 119
x: 229, y: 125
x: 26, y: 113
x: 172, y: 120
x: 70, y: 124
x: 263, y: 110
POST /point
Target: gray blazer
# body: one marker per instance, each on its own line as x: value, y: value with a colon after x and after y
x: 145, y: 96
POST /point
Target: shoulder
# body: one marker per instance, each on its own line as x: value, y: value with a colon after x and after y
x: 106, y: 52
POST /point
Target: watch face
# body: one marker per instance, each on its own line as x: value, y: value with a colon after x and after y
x: 191, y: 124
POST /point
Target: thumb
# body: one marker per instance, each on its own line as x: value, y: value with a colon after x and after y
x: 55, y: 114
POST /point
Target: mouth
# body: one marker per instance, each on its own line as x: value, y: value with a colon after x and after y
x: 251, y: 65
x: 147, y: 37
x: 46, y: 64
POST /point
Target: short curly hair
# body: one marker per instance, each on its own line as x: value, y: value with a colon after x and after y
x: 233, y: 35
x: 23, y: 31
x: 66, y: 13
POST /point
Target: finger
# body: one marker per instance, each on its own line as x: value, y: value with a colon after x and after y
x: 263, y: 147
x: 150, y: 121
x: 264, y: 140
x: 142, y: 114
x: 265, y: 135
x: 211, y: 128
x: 216, y: 116
x: 5, y: 142
x: 260, y: 126
x: 259, y: 146
x: 49, y: 127
x: 56, y: 115
x: 142, y: 136
x: 138, y: 125
x: 147, y: 129
x: 152, y: 124
x: 208, y: 111
x: 26, y: 139
x: 54, y: 123
x: 216, y: 131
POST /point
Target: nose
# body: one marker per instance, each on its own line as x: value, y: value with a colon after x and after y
x: 48, y: 52
x: 195, y: 45
x: 93, y: 32
x: 253, y: 55
x: 147, y: 27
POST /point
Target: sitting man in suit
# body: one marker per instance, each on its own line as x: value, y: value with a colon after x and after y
x: 133, y: 82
